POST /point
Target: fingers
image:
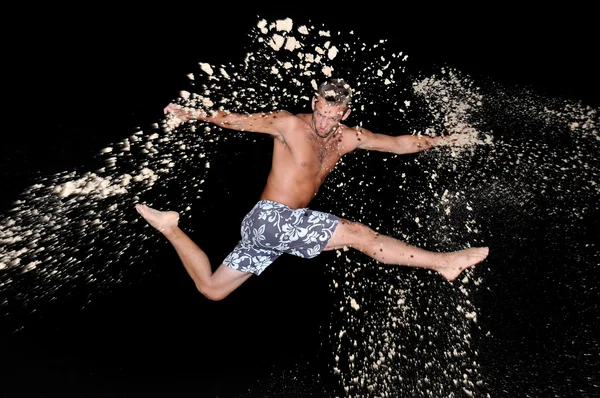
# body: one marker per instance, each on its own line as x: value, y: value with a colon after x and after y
x: 171, y: 108
x: 183, y: 113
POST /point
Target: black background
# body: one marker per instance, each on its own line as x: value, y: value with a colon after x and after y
x: 81, y: 78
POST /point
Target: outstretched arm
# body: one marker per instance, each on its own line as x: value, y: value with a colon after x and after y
x: 272, y: 123
x: 401, y: 144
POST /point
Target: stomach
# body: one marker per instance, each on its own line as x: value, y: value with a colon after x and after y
x: 290, y: 191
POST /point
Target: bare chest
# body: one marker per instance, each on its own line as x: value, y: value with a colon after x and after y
x: 327, y: 152
x: 311, y: 154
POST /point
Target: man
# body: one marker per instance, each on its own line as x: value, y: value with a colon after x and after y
x: 306, y: 147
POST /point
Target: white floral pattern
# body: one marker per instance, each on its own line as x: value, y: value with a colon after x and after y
x: 271, y: 229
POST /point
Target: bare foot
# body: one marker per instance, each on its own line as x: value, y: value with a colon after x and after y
x: 160, y: 220
x: 458, y: 261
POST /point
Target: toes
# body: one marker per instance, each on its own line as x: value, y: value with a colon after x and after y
x: 141, y: 209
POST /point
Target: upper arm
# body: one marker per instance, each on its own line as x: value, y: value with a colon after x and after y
x: 272, y: 123
x: 375, y: 142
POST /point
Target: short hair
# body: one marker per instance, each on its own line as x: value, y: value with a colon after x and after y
x: 336, y: 91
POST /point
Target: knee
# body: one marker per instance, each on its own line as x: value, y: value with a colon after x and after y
x: 212, y: 293
x: 353, y: 234
x: 356, y: 229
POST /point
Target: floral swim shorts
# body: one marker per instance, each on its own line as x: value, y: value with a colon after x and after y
x: 271, y: 229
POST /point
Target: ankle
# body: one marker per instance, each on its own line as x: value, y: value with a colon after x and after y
x: 170, y: 232
x: 443, y: 260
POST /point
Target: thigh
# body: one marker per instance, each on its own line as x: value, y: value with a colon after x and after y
x: 247, y: 257
x: 229, y: 279
x: 305, y: 232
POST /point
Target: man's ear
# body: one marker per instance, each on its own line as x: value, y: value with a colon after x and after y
x: 346, y: 114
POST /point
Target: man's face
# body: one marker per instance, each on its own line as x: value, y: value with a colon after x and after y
x: 327, y: 117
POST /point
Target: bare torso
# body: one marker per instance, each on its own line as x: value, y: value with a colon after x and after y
x: 302, y: 160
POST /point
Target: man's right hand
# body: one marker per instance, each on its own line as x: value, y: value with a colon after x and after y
x: 176, y: 111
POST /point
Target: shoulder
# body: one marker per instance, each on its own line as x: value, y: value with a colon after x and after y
x: 295, y: 121
x: 281, y: 120
x: 301, y: 116
x: 286, y: 123
x: 282, y: 113
x: 284, y: 116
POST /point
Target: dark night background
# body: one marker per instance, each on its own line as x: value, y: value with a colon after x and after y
x: 83, y: 79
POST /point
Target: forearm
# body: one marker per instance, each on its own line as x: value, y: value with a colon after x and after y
x: 224, y: 119
x: 217, y: 117
x: 414, y: 143
x: 230, y: 120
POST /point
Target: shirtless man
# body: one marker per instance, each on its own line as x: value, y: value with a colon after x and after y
x: 306, y: 147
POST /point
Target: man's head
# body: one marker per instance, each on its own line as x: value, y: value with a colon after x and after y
x: 335, y: 92
x: 330, y: 106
